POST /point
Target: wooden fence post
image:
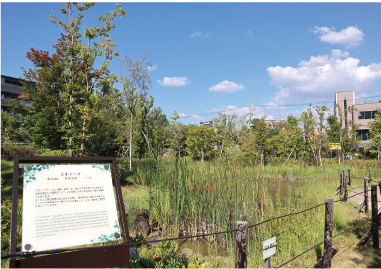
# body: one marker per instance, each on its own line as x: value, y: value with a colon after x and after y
x: 376, y: 241
x: 241, y: 240
x: 349, y: 177
x: 379, y: 186
x: 341, y: 182
x: 327, y: 256
x: 366, y: 194
x: 345, y: 187
x: 370, y: 174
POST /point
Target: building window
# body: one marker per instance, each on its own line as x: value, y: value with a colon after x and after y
x: 345, y: 102
x: 363, y: 134
x: 367, y: 115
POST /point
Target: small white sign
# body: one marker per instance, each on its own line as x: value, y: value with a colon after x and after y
x: 269, y: 247
x: 68, y: 205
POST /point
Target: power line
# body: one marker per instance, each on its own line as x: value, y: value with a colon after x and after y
x: 273, y: 106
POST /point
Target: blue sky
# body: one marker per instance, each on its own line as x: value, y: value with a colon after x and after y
x: 209, y: 57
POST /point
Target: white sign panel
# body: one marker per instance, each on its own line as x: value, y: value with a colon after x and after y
x: 269, y: 247
x: 67, y: 205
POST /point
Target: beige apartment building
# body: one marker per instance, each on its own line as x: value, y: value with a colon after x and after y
x: 363, y: 112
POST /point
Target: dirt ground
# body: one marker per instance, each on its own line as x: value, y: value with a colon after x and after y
x: 351, y: 256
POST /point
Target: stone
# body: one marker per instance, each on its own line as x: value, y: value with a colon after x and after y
x: 127, y: 207
x: 143, y: 224
x: 187, y: 252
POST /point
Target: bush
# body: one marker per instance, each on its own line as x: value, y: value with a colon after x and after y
x: 9, y: 152
x: 52, y: 153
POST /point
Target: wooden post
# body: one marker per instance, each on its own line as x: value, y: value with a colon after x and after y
x: 345, y: 187
x: 268, y: 260
x: 241, y: 244
x: 370, y: 174
x: 366, y: 194
x: 341, y: 182
x: 376, y: 241
x: 319, y: 264
x: 349, y: 177
x: 367, y: 235
x: 379, y: 186
x: 327, y: 256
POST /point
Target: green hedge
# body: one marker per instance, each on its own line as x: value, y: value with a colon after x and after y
x: 9, y: 152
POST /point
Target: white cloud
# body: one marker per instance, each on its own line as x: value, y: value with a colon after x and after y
x: 183, y: 115
x: 277, y: 101
x: 197, y: 117
x: 351, y: 36
x: 152, y: 68
x: 339, y: 54
x: 226, y: 86
x: 214, y: 110
x: 196, y: 34
x: 174, y: 81
x: 249, y: 33
x: 322, y: 76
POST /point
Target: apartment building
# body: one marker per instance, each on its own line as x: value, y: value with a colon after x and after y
x: 363, y: 112
x: 11, y: 88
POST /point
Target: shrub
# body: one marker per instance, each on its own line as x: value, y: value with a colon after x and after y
x: 9, y: 152
x: 52, y: 153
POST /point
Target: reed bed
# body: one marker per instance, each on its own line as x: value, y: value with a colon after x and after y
x: 189, y: 198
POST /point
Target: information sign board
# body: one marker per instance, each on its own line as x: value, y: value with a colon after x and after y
x: 334, y: 146
x: 269, y: 247
x: 68, y: 205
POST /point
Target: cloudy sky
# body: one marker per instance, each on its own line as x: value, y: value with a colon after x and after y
x: 209, y: 57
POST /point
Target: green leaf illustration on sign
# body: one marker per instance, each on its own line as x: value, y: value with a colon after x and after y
x: 101, y: 167
x: 30, y: 172
x: 111, y: 237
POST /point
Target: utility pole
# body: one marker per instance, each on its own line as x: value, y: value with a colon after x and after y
x: 250, y: 114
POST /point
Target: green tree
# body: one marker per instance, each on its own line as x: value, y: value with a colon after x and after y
x: 42, y: 106
x: 375, y: 132
x: 136, y: 83
x: 290, y: 139
x: 333, y: 130
x: 309, y: 127
x: 80, y: 76
x: 320, y: 135
x: 262, y: 140
x: 9, y: 128
x: 353, y: 141
x: 199, y: 142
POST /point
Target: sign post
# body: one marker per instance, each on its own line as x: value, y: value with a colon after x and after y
x: 70, y: 205
x: 269, y: 249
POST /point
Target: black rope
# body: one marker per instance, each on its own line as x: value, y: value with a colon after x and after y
x: 299, y: 255
x: 321, y: 243
x: 32, y: 253
x: 284, y: 216
x: 342, y: 199
x: 351, y: 228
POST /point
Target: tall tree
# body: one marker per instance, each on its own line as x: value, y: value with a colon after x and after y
x: 136, y: 83
x: 9, y: 128
x: 375, y: 132
x: 262, y: 139
x: 320, y: 135
x: 79, y: 73
x: 42, y: 105
x: 199, y: 142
